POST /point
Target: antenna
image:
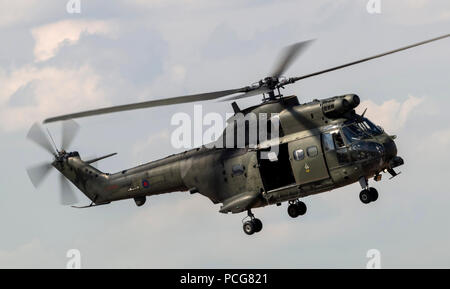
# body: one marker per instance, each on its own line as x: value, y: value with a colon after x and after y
x: 364, y: 112
x: 56, y: 148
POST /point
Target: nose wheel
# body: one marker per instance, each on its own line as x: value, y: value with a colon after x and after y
x: 368, y: 194
x: 253, y: 225
x: 296, y: 208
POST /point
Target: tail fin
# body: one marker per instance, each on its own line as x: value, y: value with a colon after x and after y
x: 85, y: 177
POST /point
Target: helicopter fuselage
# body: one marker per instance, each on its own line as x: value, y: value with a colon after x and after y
x: 322, y: 145
x: 318, y: 146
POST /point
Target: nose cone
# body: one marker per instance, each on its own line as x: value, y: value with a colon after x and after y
x: 390, y: 149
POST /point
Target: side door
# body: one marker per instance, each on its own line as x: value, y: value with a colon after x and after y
x: 335, y: 150
x: 307, y: 160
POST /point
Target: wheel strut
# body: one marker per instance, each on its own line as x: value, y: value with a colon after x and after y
x: 364, y: 183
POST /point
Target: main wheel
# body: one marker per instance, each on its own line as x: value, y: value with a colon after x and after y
x: 293, y: 210
x: 364, y: 196
x: 249, y: 227
x: 301, y: 207
x: 373, y: 194
x: 258, y: 225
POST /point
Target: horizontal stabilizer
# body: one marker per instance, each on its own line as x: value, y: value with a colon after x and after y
x: 89, y: 206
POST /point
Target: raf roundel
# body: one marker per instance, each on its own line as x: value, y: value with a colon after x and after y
x: 145, y: 183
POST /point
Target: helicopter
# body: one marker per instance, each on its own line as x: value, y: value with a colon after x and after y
x: 320, y: 145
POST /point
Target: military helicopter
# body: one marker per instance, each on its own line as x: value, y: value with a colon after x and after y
x: 322, y: 145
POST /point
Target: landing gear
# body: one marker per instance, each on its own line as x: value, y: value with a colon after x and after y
x: 368, y: 194
x: 252, y: 226
x: 296, y: 208
x: 249, y: 228
x: 139, y: 201
x: 364, y: 196
x: 373, y: 194
x: 258, y: 225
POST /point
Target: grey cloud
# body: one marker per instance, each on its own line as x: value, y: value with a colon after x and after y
x: 16, y: 49
x: 24, y: 96
x: 136, y: 55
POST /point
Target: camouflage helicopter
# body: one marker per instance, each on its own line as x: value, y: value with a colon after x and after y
x: 322, y: 145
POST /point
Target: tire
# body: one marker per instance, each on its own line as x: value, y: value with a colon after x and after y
x: 293, y: 211
x: 365, y: 197
x: 249, y: 228
x: 258, y: 225
x: 301, y: 207
x: 373, y: 194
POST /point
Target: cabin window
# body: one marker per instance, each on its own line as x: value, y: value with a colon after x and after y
x: 299, y: 155
x: 312, y: 151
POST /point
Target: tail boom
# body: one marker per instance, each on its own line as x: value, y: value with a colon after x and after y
x: 154, y: 178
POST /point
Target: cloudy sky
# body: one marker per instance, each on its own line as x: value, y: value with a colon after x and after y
x: 54, y: 62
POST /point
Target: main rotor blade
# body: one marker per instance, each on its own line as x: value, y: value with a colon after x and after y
x: 36, y: 135
x: 38, y: 173
x: 288, y: 56
x: 151, y: 103
x: 96, y: 159
x: 257, y: 91
x: 67, y: 195
x: 294, y: 79
x: 69, y: 131
x: 93, y: 161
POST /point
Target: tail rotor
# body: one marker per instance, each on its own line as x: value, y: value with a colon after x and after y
x: 38, y: 173
x: 66, y: 193
x: 36, y: 135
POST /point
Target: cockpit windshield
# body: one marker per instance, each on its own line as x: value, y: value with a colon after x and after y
x: 357, y: 130
x: 353, y: 132
x: 369, y: 127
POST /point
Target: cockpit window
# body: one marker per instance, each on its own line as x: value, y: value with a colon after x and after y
x: 360, y: 129
x: 353, y: 132
x: 370, y: 127
x: 328, y: 143
x: 339, y: 142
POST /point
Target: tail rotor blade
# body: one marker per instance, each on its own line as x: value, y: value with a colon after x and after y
x: 69, y: 131
x: 67, y: 195
x: 36, y: 135
x: 38, y: 173
x: 288, y: 56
